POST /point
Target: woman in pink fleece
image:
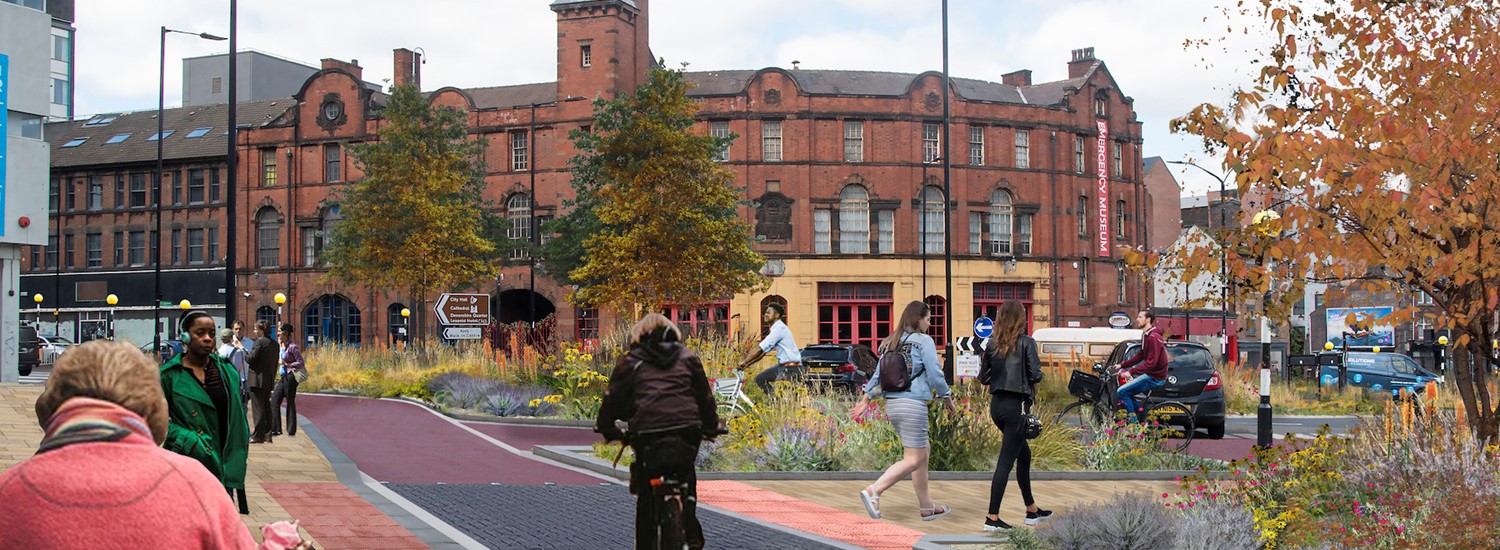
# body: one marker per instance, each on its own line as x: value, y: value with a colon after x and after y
x: 100, y: 478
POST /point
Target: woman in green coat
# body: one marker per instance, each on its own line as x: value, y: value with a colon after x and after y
x: 205, y: 419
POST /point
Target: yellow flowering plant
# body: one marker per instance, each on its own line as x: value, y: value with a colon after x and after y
x: 579, y: 386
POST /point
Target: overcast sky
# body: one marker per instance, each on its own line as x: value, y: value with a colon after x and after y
x: 471, y: 43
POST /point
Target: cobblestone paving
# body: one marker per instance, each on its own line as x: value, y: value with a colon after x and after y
x: 573, y: 517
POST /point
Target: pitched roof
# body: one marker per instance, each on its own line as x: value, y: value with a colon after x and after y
x: 139, y: 126
x: 506, y: 97
x: 1149, y: 163
x: 880, y: 84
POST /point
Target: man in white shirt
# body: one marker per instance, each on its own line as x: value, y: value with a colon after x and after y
x: 788, y: 355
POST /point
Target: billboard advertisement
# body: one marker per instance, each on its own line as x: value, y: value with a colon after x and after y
x: 1362, y: 326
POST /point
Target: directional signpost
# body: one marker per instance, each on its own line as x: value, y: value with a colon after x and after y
x: 983, y: 327
x: 464, y: 309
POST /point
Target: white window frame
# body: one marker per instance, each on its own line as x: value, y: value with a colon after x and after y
x: 1023, y: 235
x: 886, y: 220
x: 518, y: 210
x: 1002, y: 223
x: 520, y: 151
x: 822, y: 231
x: 976, y: 145
x: 854, y: 220
x: 1023, y: 149
x: 770, y: 141
x: 1078, y: 154
x: 932, y: 219
x: 932, y: 145
x: 854, y: 141
x: 1119, y: 164
x: 719, y: 129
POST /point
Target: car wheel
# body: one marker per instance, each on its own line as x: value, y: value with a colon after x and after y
x: 25, y: 371
x: 1215, y: 431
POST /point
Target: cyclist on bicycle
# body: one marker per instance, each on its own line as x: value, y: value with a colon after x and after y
x: 1151, y: 361
x: 660, y: 390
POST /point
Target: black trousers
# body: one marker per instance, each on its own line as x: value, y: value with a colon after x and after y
x: 1005, y: 411
x: 672, y: 455
x: 784, y: 371
x: 286, y: 390
x: 260, y: 407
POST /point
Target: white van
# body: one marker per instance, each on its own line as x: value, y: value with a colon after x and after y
x: 1080, y: 347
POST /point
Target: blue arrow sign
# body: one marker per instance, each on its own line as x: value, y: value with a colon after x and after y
x: 983, y: 327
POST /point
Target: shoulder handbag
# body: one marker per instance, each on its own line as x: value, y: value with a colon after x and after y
x: 300, y: 375
x: 1033, y: 424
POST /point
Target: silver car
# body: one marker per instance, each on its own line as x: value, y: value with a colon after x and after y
x: 53, y: 347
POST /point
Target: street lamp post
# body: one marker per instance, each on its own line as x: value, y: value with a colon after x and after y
x: 37, y: 298
x: 111, y: 300
x: 405, y: 328
x: 922, y: 216
x: 280, y: 299
x: 1265, y: 223
x: 1442, y: 354
x: 531, y: 165
x: 1223, y: 262
x: 161, y: 100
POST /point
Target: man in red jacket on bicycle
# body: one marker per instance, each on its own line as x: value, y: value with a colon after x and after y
x: 1151, y: 361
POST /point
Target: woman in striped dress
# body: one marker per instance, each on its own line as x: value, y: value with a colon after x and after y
x: 907, y: 410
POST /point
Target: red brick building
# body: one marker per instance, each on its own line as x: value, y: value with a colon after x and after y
x: 1046, y: 184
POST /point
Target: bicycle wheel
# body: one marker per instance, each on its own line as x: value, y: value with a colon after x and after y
x: 1175, y: 421
x: 1087, y: 414
x: 669, y: 534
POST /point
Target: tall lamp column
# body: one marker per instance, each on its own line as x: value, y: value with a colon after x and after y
x: 111, y: 300
x: 405, y: 328
x: 1265, y: 223
x: 161, y: 100
x: 37, y: 298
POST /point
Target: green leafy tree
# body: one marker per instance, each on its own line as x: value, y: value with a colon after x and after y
x: 1373, y: 127
x: 417, y: 221
x: 655, y: 219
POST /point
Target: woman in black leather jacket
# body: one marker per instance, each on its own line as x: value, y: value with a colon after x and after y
x: 1011, y: 369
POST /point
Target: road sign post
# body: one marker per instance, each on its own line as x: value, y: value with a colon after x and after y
x: 462, y: 333
x: 966, y: 364
x: 983, y: 327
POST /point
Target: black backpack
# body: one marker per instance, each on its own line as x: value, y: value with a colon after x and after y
x: 894, y: 370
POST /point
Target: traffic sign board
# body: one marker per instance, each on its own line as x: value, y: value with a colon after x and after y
x: 462, y: 333
x: 464, y: 309
x: 983, y: 327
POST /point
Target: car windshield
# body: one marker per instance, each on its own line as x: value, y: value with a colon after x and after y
x: 825, y: 354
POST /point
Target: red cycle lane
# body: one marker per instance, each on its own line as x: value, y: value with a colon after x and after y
x: 400, y: 442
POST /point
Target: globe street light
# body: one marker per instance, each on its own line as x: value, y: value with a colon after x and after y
x: 280, y: 299
x: 38, y: 299
x: 405, y: 326
x: 1223, y: 265
x: 111, y: 300
x: 185, y: 305
x: 1268, y: 224
x: 161, y: 100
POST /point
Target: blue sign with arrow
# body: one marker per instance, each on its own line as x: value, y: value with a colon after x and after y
x: 983, y: 327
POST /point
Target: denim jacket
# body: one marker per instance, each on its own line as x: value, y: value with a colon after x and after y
x: 923, y: 354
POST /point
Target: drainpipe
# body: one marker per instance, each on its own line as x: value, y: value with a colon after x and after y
x: 1056, y: 314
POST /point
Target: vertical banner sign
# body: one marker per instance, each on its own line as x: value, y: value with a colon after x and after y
x: 4, y: 132
x: 1103, y: 189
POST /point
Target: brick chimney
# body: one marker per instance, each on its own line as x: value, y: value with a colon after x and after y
x: 1083, y: 60
x: 352, y: 66
x: 1019, y: 78
x: 408, y: 68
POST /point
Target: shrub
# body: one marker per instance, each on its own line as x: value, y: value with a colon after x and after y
x: 1216, y: 524
x: 1127, y: 522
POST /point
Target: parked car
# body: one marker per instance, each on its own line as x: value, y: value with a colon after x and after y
x: 1191, y: 379
x: 1376, y: 371
x: 845, y: 366
x: 169, y: 349
x: 52, y: 347
x: 28, y: 350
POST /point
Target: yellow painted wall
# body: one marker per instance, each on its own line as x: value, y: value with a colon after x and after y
x: 799, y: 286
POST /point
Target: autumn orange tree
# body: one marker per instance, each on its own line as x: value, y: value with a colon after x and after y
x: 655, y: 220
x: 1373, y: 127
x: 417, y: 221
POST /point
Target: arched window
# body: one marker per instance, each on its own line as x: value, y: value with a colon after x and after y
x: 939, y: 307
x: 267, y: 314
x: 765, y: 328
x: 933, y: 227
x: 854, y: 220
x: 268, y: 238
x: 331, y: 319
x: 396, y: 323
x: 518, y: 211
x: 1000, y: 223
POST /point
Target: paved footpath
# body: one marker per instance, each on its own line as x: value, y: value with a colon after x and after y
x: 482, y: 479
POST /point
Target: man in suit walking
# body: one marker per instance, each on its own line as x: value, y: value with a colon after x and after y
x: 264, y: 358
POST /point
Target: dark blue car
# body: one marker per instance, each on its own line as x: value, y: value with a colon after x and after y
x: 169, y: 349
x: 1377, y: 371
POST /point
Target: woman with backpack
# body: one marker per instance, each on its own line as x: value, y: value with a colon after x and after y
x: 1011, y: 369
x: 909, y: 375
